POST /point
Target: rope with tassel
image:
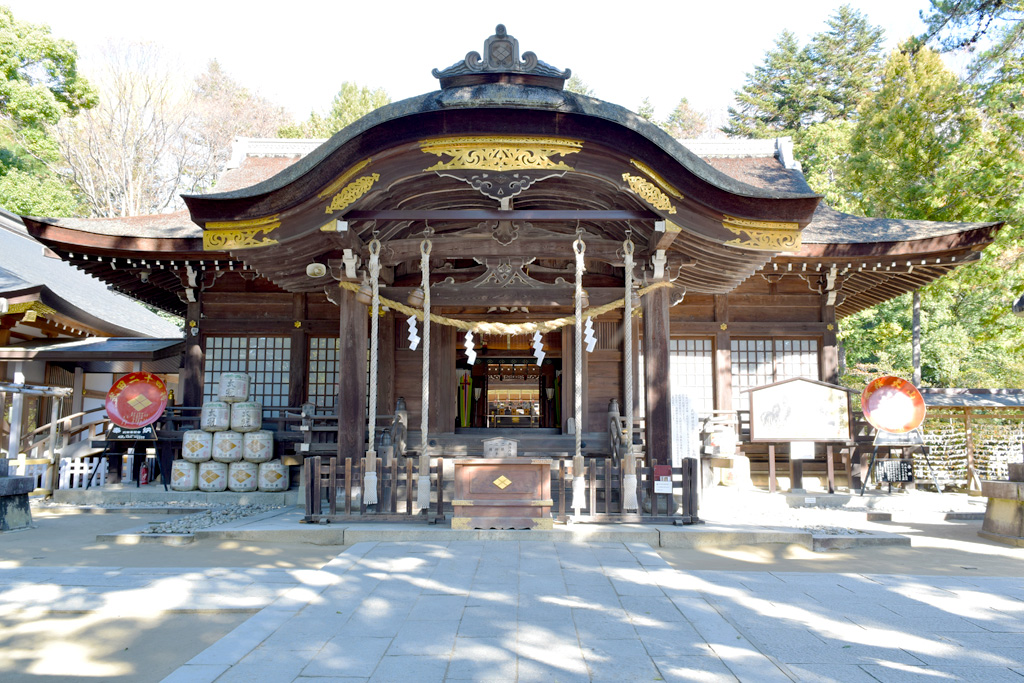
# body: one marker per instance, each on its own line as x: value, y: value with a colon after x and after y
x: 629, y: 497
x: 423, y: 483
x: 578, y: 482
x: 370, y: 461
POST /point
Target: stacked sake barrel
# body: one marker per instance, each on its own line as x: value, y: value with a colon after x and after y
x: 231, y: 451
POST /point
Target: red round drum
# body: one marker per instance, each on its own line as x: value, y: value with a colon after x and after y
x: 893, y: 405
x: 136, y: 400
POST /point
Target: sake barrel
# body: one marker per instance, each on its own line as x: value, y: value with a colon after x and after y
x: 273, y: 476
x: 233, y: 387
x: 213, y: 476
x: 197, y: 445
x: 258, y: 446
x: 227, y: 446
x: 183, y: 475
x: 242, y: 476
x: 215, y: 416
x: 246, y: 416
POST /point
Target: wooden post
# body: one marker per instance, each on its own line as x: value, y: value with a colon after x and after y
x: 299, y: 364
x: 17, y: 413
x: 77, y: 395
x: 723, y: 355
x: 771, y: 468
x: 830, y: 345
x: 195, y: 355
x: 656, y: 376
x: 915, y: 338
x: 796, y: 474
x: 351, y: 376
x: 830, y: 469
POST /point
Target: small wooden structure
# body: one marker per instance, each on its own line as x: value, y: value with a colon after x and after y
x: 502, y: 493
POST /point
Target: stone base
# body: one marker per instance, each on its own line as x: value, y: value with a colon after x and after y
x: 15, y: 512
x: 1004, y: 513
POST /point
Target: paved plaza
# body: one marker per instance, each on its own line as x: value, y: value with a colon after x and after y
x: 537, y: 611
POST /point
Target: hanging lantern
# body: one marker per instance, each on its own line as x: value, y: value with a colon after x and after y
x: 415, y: 298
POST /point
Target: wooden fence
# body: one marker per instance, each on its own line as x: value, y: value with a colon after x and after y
x: 334, y: 491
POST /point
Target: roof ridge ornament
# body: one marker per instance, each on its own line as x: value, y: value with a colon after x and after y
x: 500, y: 63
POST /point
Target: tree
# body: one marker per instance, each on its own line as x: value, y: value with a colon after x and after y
x: 40, y: 86
x: 685, y: 121
x: 824, y: 153
x: 350, y: 104
x: 797, y: 87
x: 224, y: 110
x: 776, y: 95
x: 577, y: 85
x: 154, y: 135
x: 847, y: 61
x: 963, y: 24
x: 646, y: 109
x: 923, y: 148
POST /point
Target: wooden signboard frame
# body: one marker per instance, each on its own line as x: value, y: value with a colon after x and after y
x: 800, y: 409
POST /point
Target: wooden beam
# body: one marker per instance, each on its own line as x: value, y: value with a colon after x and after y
x: 536, y: 215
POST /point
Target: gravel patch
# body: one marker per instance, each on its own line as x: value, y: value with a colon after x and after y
x: 209, y: 518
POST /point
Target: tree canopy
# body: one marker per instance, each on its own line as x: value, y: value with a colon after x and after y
x: 795, y: 87
x: 39, y: 87
x: 350, y: 104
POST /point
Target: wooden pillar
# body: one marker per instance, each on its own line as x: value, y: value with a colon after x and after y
x: 656, y: 376
x: 386, y: 365
x: 830, y: 345
x: 915, y: 337
x: 443, y: 379
x: 298, y: 367
x: 723, y: 355
x: 351, y: 375
x: 195, y: 356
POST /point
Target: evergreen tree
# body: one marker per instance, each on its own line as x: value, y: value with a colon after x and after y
x: 646, y: 109
x: 685, y: 121
x: 778, y: 95
x: 847, y: 61
x: 350, y: 104
x: 579, y: 86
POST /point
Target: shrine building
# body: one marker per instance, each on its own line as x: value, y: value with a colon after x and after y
x: 497, y: 191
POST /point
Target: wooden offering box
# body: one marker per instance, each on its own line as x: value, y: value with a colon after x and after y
x: 502, y: 493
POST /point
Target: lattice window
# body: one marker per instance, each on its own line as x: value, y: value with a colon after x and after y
x: 756, y: 362
x: 323, y: 371
x: 690, y: 372
x: 265, y: 359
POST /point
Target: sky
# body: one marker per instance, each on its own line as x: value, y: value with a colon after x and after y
x: 297, y: 53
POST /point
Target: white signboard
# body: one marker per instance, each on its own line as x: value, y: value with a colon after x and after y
x: 800, y: 410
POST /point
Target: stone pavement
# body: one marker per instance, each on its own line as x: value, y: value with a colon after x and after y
x: 545, y: 611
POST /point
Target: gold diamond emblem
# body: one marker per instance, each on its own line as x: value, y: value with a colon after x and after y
x: 502, y: 482
x: 242, y: 476
x: 210, y: 476
x: 140, y: 402
x: 273, y: 477
x: 194, y: 446
x: 226, y: 446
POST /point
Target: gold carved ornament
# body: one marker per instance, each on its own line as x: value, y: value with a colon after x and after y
x: 650, y: 173
x: 649, y: 193
x: 351, y: 192
x: 500, y: 153
x: 223, y: 236
x: 343, y: 178
x: 763, y: 235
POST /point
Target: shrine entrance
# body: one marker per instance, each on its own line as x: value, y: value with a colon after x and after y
x: 510, y: 393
